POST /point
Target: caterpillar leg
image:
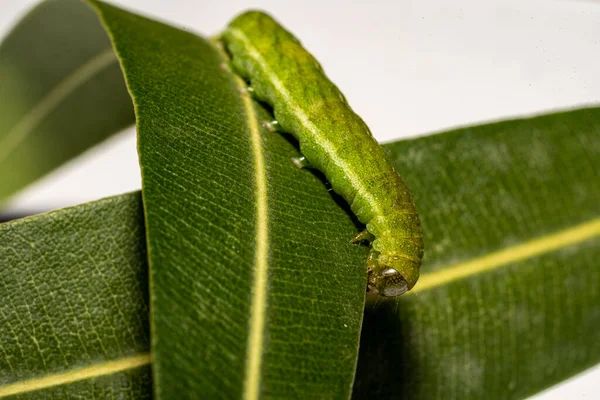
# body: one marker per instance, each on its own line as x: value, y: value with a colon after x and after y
x: 247, y: 91
x: 361, y: 236
x: 300, y: 161
x: 372, y: 263
x: 372, y: 266
x: 224, y: 67
x: 271, y: 126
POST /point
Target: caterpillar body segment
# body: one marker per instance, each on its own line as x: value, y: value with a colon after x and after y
x: 334, y: 140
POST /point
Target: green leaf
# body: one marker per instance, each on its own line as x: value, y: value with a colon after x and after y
x: 256, y: 287
x: 500, y: 313
x: 62, y: 91
x: 509, y: 302
x: 74, y: 310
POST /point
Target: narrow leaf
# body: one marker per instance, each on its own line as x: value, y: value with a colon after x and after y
x: 61, y: 91
x: 528, y: 304
x: 509, y: 302
x: 74, y: 310
x: 256, y: 288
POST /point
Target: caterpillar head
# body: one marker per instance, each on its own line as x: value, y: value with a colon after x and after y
x: 387, y: 282
x: 391, y: 276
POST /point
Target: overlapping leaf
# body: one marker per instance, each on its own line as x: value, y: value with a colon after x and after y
x: 247, y: 297
x: 61, y: 91
x: 509, y: 302
x: 74, y: 310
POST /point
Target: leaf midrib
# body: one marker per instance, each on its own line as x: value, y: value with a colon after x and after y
x: 495, y: 260
x: 25, y: 126
x: 93, y: 371
x: 259, y: 286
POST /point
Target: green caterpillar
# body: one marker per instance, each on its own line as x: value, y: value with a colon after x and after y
x: 334, y: 140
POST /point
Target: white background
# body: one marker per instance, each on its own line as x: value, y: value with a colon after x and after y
x: 407, y: 67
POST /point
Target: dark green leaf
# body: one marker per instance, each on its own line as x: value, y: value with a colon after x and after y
x: 509, y: 302
x: 506, y: 332
x: 74, y: 310
x: 61, y: 91
x: 256, y: 287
